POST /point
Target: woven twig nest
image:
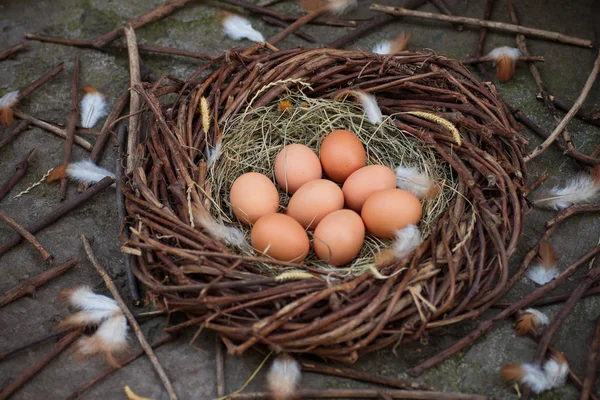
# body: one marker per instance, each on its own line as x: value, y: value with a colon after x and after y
x: 455, y: 274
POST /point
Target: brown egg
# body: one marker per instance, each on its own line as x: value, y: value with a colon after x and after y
x: 366, y: 181
x: 313, y: 201
x: 388, y: 210
x: 339, y: 237
x: 341, y: 154
x: 280, y: 237
x: 295, y: 165
x: 253, y: 195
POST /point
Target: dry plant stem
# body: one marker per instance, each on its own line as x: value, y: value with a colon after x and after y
x: 483, y: 59
x: 8, y: 52
x: 14, y: 133
x: 443, y: 7
x: 29, y: 285
x: 499, y: 26
x: 576, y: 106
x: 71, y: 126
x: 78, y: 140
x: 299, y: 23
x: 88, y: 385
x: 363, y: 394
x: 20, y: 171
x: 566, y: 105
x: 536, y: 184
x: 549, y: 300
x: 220, y: 367
x: 364, y: 376
x: 26, y: 91
x: 156, y: 14
x: 45, y: 254
x: 282, y: 24
x: 134, y: 100
x: 487, y: 14
x: 591, y: 364
x: 37, y: 367
x: 108, y: 125
x: 52, y: 335
x: 134, y: 325
x: 61, y: 210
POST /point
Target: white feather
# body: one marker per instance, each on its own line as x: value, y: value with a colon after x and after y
x: 213, y: 154
x: 541, y: 274
x: 237, y: 28
x: 556, y: 373
x: 535, y: 378
x: 339, y: 7
x: 110, y: 337
x: 383, y: 47
x: 410, y: 179
x: 87, y: 318
x: 83, y: 298
x: 228, y: 234
x: 283, y: 377
x: 88, y: 172
x: 372, y: 110
x: 9, y: 99
x: 512, y: 52
x: 93, y: 107
x: 580, y: 189
x: 540, y: 318
x: 407, y: 239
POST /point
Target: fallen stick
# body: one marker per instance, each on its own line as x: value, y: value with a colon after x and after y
x: 536, y: 184
x: 443, y: 7
x: 549, y: 300
x: 70, y: 131
x: 156, y: 14
x: 591, y: 364
x: 351, y: 373
x: 78, y: 140
x: 362, y: 394
x: 29, y: 285
x: 134, y: 99
x: 52, y: 335
x: 54, y: 215
x: 576, y: 106
x: 566, y: 105
x: 299, y: 23
x: 37, y: 367
x: 282, y: 24
x: 134, y: 325
x: 487, y: 15
x: 45, y: 254
x: 20, y: 170
x: 10, y: 51
x: 220, y: 367
x: 85, y: 387
x: 14, y: 133
x: 487, y: 58
x: 108, y: 125
x: 499, y: 26
x: 27, y: 90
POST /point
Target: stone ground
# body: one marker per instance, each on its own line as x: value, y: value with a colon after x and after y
x: 196, y: 28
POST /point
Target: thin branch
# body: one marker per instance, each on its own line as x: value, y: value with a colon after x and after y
x: 37, y: 367
x: 134, y: 99
x: 362, y: 394
x: 536, y: 184
x: 566, y: 105
x: 220, y: 367
x: 71, y: 126
x: 14, y: 133
x: 299, y: 23
x: 29, y: 285
x: 45, y: 254
x: 487, y: 15
x: 108, y: 125
x: 49, y: 336
x: 549, y: 300
x: 499, y: 26
x: 282, y: 24
x: 134, y: 325
x: 487, y: 58
x: 10, y: 51
x: 27, y: 90
x: 443, y: 7
x: 20, y: 170
x: 591, y: 364
x: 78, y: 140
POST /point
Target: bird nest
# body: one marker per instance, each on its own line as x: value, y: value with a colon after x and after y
x: 236, y: 113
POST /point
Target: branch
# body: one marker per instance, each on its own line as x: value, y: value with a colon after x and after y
x: 363, y: 394
x: 16, y: 131
x: 134, y: 99
x: 591, y: 364
x: 27, y: 90
x: 108, y: 125
x: 20, y: 171
x: 78, y: 140
x: 45, y: 254
x: 487, y: 58
x: 71, y: 126
x: 8, y: 52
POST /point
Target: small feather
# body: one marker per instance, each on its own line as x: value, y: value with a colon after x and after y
x: 109, y: 339
x: 83, y: 298
x: 7, y: 116
x: 510, y: 52
x: 337, y: 7
x: 93, y: 107
x: 407, y: 239
x: 527, y: 374
x: 383, y: 47
x: 416, y: 182
x: 583, y: 188
x: 283, y: 377
x: 557, y: 369
x: 529, y: 321
x: 237, y: 28
x: 228, y: 234
x: 547, y: 255
x: 541, y: 274
x: 56, y: 174
x: 394, y: 46
x: 505, y: 59
x: 88, y: 172
x: 213, y: 154
x: 9, y: 99
x: 369, y: 103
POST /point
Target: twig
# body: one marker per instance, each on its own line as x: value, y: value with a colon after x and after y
x: 578, y: 103
x: 16, y: 131
x: 220, y: 366
x: 134, y: 100
x: 134, y: 325
x: 108, y: 124
x: 549, y: 300
x: 29, y: 285
x: 566, y: 105
x: 363, y: 394
x: 299, y: 23
x: 41, y: 363
x: 351, y: 373
x: 538, y: 182
x: 20, y: 171
x: 282, y: 24
x: 487, y: 14
x: 591, y: 364
x: 159, y: 12
x: 487, y: 58
x: 71, y: 126
x: 45, y: 254
x: 78, y: 140
x: 27, y: 90
x: 62, y: 209
x: 88, y: 385
x: 15, y: 48
x: 499, y: 26
x: 443, y: 7
x: 52, y: 335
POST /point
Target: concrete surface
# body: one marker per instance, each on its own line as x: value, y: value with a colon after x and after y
x: 196, y: 28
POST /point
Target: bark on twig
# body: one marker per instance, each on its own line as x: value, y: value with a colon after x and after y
x: 14, y: 133
x: 20, y: 170
x: 10, y: 51
x: 134, y: 99
x: 443, y: 7
x: 78, y: 140
x: 282, y: 24
x: 108, y: 125
x: 566, y: 105
x: 363, y: 394
x: 52, y: 335
x: 45, y: 254
x: 487, y: 14
x: 591, y: 364
x: 220, y: 367
x: 134, y: 325
x: 483, y: 59
x: 27, y: 90
x: 71, y: 126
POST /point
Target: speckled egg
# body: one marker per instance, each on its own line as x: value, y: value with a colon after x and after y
x: 280, y: 237
x: 252, y: 196
x: 388, y: 210
x: 366, y: 181
x: 341, y: 154
x: 313, y: 201
x: 295, y: 165
x: 339, y: 237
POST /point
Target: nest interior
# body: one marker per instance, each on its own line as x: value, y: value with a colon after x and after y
x: 458, y: 271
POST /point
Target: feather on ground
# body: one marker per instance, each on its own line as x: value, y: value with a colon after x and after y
x: 505, y: 59
x: 583, y: 188
x: 238, y: 28
x: 283, y: 377
x: 93, y: 107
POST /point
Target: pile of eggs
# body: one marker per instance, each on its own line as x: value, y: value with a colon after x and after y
x: 337, y: 209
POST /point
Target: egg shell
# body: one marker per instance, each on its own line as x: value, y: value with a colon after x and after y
x: 388, y: 210
x: 366, y: 181
x: 280, y: 237
x: 252, y: 196
x: 313, y: 201
x: 339, y: 237
x: 295, y: 165
x: 341, y: 154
